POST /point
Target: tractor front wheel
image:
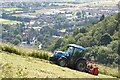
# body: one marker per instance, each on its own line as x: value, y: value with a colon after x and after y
x: 62, y: 62
x: 81, y: 65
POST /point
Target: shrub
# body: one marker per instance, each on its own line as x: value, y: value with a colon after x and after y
x: 108, y: 71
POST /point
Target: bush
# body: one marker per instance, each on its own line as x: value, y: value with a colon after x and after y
x: 108, y: 71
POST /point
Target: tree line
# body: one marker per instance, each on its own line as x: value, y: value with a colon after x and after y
x: 11, y: 17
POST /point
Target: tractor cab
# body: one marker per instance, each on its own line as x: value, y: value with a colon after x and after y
x: 69, y: 58
x: 75, y: 52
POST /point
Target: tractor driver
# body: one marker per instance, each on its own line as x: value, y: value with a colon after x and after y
x: 70, y: 50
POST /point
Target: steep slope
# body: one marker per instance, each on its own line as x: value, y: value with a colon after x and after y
x: 18, y: 66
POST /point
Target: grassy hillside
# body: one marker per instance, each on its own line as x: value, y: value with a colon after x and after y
x: 20, y: 66
x: 16, y: 62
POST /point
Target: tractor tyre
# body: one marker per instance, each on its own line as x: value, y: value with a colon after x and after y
x: 81, y: 65
x: 62, y: 62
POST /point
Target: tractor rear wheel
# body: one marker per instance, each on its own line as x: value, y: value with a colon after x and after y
x: 62, y: 62
x: 81, y: 65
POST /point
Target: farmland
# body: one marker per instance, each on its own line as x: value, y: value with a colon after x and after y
x: 102, y: 3
x: 5, y: 21
x: 12, y: 9
x: 63, y: 30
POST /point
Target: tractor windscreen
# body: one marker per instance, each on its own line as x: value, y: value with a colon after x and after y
x: 78, y: 52
x: 70, y: 50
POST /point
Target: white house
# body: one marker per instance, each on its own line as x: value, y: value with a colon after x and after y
x: 40, y: 46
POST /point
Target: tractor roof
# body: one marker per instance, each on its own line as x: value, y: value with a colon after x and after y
x: 77, y: 46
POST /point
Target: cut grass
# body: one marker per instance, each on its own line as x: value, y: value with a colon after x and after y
x: 7, y: 22
x: 19, y: 66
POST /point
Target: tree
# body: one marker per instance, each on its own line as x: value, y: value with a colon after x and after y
x: 102, y: 17
x: 19, y: 37
x: 71, y: 40
x: 85, y: 41
x: 105, y: 39
x: 57, y: 44
x: 103, y: 54
x: 76, y: 31
x: 83, y: 30
x: 114, y: 46
x: 78, y: 36
x: 78, y: 14
x: 16, y: 41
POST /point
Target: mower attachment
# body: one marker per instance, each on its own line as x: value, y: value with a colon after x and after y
x: 92, y: 68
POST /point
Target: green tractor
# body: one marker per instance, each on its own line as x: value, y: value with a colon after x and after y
x: 75, y: 58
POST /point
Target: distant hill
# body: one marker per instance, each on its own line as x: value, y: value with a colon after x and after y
x: 93, y: 0
x: 57, y: 0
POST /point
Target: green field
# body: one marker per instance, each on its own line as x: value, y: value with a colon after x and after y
x: 5, y: 21
x: 12, y: 9
x: 63, y: 30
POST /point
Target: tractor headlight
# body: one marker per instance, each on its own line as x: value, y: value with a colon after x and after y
x: 52, y: 55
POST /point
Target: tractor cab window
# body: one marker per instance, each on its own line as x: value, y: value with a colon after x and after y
x: 70, y: 50
x: 78, y: 52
